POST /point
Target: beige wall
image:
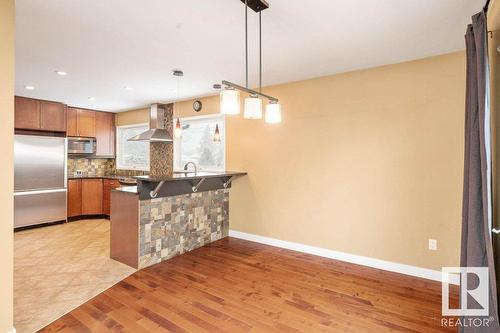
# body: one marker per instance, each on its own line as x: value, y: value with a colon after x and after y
x: 132, y: 117
x: 494, y: 15
x: 6, y: 162
x: 367, y: 162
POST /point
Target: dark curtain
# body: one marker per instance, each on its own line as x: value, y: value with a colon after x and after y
x: 476, y: 249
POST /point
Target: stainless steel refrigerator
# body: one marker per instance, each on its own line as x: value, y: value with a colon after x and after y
x: 39, y: 179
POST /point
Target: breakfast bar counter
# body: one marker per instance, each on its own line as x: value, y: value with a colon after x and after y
x: 166, y: 216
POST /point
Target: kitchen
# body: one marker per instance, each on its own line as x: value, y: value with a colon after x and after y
x: 64, y: 172
x: 42, y: 130
x: 70, y: 179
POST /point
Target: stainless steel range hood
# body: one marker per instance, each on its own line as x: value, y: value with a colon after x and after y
x: 157, y: 122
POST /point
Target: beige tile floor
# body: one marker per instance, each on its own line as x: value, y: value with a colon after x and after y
x: 57, y: 268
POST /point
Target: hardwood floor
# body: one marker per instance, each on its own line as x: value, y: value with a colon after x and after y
x: 234, y: 285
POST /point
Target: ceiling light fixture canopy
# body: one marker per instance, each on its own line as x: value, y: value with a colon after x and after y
x: 230, y: 95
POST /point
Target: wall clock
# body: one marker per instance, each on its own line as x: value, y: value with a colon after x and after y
x: 197, y: 106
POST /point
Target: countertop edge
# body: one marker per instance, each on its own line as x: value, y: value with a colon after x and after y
x: 190, y: 177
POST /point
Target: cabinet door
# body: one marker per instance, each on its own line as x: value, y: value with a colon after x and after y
x: 71, y: 122
x: 27, y: 113
x: 92, y: 196
x: 86, y: 123
x: 108, y: 185
x: 106, y: 196
x: 104, y: 133
x: 74, y: 197
x: 52, y: 116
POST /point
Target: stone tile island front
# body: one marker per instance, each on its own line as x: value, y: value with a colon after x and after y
x: 166, y: 216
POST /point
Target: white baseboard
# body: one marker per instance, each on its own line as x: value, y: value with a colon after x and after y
x: 420, y: 272
x: 13, y: 330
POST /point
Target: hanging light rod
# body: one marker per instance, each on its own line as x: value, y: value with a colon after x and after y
x: 257, y: 5
x: 250, y: 91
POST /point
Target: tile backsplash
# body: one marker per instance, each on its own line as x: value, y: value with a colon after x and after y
x: 98, y: 167
x: 94, y: 166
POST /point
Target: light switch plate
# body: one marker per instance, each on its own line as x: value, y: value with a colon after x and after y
x: 433, y: 244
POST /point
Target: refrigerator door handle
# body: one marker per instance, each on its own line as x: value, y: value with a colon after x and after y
x: 39, y: 192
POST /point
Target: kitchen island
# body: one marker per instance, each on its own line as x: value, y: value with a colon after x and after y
x: 166, y: 216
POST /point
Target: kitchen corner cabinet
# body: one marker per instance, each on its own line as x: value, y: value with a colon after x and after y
x: 105, y: 133
x: 74, y: 197
x: 92, y: 196
x: 34, y: 114
x: 81, y: 123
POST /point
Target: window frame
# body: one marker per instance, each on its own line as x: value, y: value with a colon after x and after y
x: 119, y: 167
x: 222, y: 118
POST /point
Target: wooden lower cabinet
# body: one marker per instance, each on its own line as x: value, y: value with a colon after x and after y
x: 108, y: 185
x: 91, y: 196
x: 74, y: 197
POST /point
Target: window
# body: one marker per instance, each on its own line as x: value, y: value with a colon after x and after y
x: 131, y: 155
x: 197, y: 144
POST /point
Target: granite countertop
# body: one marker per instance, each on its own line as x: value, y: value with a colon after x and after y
x: 190, y: 175
x: 127, y: 189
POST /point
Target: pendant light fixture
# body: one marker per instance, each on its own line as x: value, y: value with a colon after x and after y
x: 229, y: 101
x: 253, y: 104
x: 273, y: 113
x: 178, y: 126
x: 217, y: 134
x: 230, y: 96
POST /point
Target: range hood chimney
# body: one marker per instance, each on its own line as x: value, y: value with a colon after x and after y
x: 157, y: 126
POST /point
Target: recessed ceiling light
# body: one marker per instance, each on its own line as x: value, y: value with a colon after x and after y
x: 128, y: 88
x: 91, y: 98
x: 29, y: 87
x: 61, y: 73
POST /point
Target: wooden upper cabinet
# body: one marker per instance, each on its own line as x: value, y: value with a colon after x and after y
x: 33, y: 114
x: 86, y: 123
x: 71, y: 123
x: 105, y: 133
x: 52, y: 116
x: 74, y: 197
x: 92, y: 196
x: 80, y: 122
x: 27, y: 113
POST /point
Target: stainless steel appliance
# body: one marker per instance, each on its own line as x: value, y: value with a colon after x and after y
x: 157, y: 125
x: 39, y: 179
x: 81, y: 146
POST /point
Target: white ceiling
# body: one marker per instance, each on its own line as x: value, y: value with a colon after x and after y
x: 107, y: 45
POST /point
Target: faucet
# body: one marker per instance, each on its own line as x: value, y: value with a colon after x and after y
x: 194, y: 165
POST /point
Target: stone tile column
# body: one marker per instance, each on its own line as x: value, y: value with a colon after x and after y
x: 161, y: 154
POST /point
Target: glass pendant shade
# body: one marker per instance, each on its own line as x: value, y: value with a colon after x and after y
x: 217, y: 134
x: 253, y: 108
x: 178, y: 129
x: 230, y: 101
x: 273, y: 113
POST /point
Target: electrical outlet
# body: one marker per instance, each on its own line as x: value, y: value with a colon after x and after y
x: 433, y: 244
